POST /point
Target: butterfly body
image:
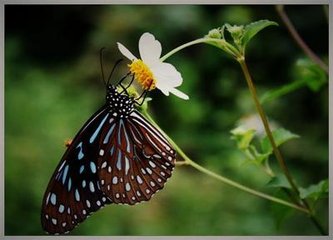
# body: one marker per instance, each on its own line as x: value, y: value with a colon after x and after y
x: 117, y: 157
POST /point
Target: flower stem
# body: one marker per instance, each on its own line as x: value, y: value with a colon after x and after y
x: 242, y: 187
x: 221, y: 43
x: 225, y: 180
x: 197, y: 41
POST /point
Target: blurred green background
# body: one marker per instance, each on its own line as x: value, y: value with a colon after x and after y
x: 53, y: 85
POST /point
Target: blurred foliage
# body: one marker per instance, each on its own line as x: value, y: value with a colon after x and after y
x: 53, y: 85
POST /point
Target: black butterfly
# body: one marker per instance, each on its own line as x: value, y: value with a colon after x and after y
x: 116, y: 157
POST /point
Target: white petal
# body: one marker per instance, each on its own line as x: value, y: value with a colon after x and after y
x: 126, y: 52
x: 167, y: 78
x: 165, y: 91
x: 150, y: 48
x: 166, y: 75
x: 179, y: 93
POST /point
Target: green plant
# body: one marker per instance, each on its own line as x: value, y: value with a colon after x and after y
x: 235, y: 44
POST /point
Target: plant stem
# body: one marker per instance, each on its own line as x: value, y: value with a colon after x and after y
x: 200, y: 40
x: 299, y: 40
x: 242, y: 187
x: 266, y: 125
x: 276, y: 151
x: 225, y: 180
x: 220, y: 43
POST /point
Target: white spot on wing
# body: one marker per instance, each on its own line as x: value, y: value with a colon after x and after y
x: 103, y: 164
x: 153, y: 165
x: 138, y: 179
x: 148, y: 170
x: 88, y: 203
x: 115, y: 180
x: 54, y: 221
x: 83, y: 183
x: 101, y: 152
x: 81, y: 168
x: 92, y: 167
x: 128, y: 187
x: 119, y: 160
x: 53, y: 198
x: 61, y: 208
x: 69, y: 185
x: 127, y: 165
x: 77, y: 195
x: 91, y: 187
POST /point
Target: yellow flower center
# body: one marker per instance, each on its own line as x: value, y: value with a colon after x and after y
x: 142, y: 74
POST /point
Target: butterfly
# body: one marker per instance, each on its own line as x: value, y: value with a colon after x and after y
x: 117, y: 157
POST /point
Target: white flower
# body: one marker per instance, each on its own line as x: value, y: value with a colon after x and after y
x: 150, y: 71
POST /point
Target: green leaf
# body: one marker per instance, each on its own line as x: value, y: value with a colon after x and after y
x: 278, y: 182
x: 243, y: 137
x: 280, y: 136
x: 258, y: 157
x: 305, y: 73
x: 315, y: 191
x: 281, y: 91
x: 252, y: 29
x: 310, y: 73
x: 236, y: 32
x: 215, y: 33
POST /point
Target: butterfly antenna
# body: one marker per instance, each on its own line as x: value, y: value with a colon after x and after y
x: 101, y: 62
x: 114, y: 67
x: 121, y: 85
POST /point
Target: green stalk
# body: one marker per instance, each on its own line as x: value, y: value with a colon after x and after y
x: 177, y: 49
x: 219, y: 43
x: 266, y: 125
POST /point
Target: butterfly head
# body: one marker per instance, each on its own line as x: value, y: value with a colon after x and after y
x: 120, y: 105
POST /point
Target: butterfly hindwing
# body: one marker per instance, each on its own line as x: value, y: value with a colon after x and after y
x: 74, y: 191
x: 137, y: 160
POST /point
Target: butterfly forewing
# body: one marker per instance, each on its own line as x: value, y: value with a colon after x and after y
x: 74, y: 191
